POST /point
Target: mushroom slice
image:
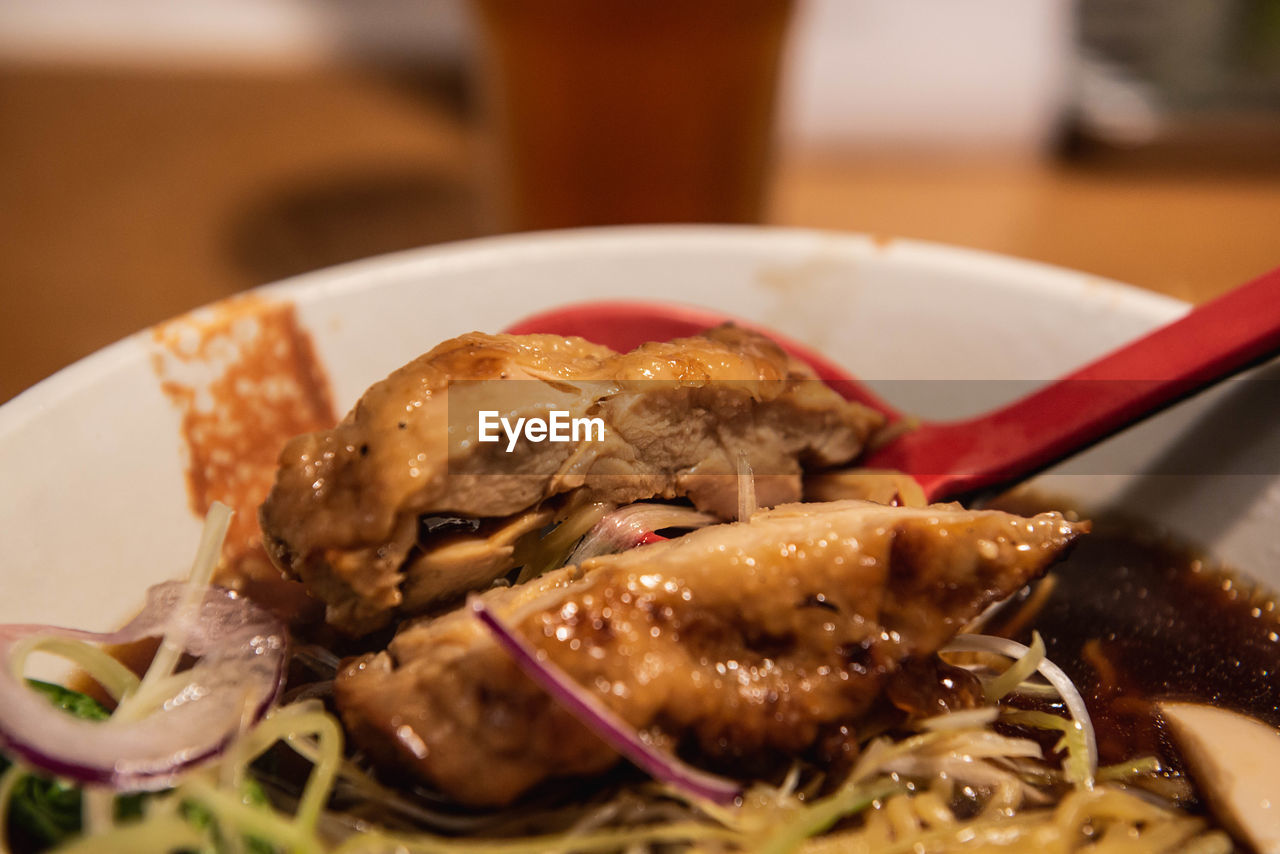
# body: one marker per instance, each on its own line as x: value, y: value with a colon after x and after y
x: 1234, y: 759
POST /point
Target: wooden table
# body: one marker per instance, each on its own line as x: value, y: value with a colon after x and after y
x: 127, y: 196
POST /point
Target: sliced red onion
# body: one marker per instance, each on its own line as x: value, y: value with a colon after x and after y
x: 239, y: 674
x: 602, y: 720
x: 634, y: 525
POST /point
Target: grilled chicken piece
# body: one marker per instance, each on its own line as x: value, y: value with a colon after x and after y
x: 344, y: 513
x: 741, y: 642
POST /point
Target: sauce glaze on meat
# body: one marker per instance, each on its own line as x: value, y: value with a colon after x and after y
x: 343, y: 515
x: 738, y: 642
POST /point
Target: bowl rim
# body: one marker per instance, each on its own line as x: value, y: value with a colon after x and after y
x: 501, y: 250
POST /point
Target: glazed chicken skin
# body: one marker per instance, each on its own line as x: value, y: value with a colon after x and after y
x: 367, y: 514
x: 735, y: 642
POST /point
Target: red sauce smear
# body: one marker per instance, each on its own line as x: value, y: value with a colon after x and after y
x: 245, y: 377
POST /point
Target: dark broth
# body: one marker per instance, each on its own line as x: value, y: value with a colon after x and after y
x: 1134, y: 619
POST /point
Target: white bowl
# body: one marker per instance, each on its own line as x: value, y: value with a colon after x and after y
x: 93, y: 491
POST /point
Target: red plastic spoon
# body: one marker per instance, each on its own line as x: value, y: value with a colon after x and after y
x: 949, y: 459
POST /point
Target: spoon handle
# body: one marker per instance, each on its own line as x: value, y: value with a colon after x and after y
x: 1209, y: 343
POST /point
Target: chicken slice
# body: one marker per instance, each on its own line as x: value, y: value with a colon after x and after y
x: 739, y: 643
x: 344, y: 512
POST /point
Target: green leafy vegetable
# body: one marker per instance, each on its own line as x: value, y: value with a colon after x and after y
x: 44, y: 812
x: 200, y: 816
x: 80, y: 705
x: 47, y: 812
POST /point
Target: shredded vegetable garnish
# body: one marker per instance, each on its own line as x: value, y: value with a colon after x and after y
x: 629, y: 526
x: 116, y: 679
x: 960, y: 720
x: 1032, y: 607
x: 821, y: 816
x: 956, y: 782
x: 615, y: 839
x: 165, y: 722
x: 875, y: 809
x: 1074, y: 742
x: 963, y: 754
x: 1133, y: 768
x: 921, y: 822
x: 97, y: 808
x: 746, y: 488
x: 294, y: 724
x: 1083, y: 761
x: 8, y: 782
x: 552, y: 550
x: 1022, y: 668
x: 158, y: 833
x: 173, y: 644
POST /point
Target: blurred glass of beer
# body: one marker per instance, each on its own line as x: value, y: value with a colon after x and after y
x: 624, y: 111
